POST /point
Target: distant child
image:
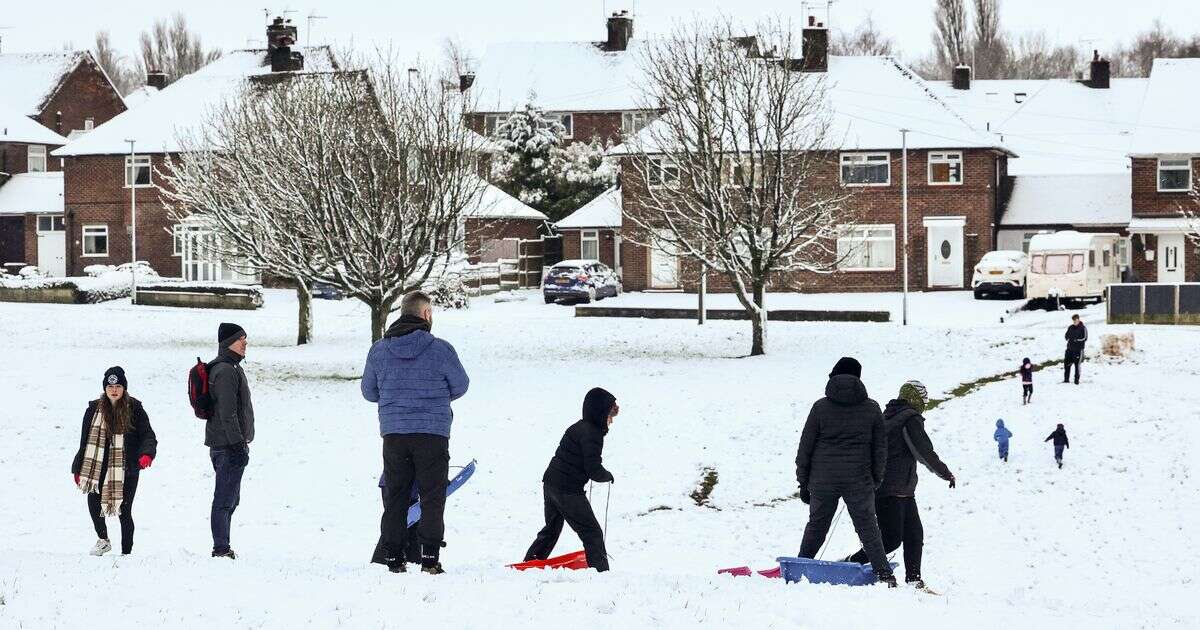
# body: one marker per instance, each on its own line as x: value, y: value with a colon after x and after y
x: 1026, y: 381
x: 1001, y: 436
x: 1060, y: 442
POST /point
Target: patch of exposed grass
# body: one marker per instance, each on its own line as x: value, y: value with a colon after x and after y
x: 704, y: 489
x: 964, y: 389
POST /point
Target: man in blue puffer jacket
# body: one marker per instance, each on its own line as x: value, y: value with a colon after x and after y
x: 414, y: 376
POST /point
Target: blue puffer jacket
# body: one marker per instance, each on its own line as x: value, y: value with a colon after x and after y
x: 1002, y: 434
x: 413, y: 377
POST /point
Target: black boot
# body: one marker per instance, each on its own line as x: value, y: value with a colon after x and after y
x: 888, y: 579
x: 397, y: 566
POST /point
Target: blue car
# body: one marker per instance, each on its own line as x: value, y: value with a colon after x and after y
x: 580, y: 280
x: 323, y: 291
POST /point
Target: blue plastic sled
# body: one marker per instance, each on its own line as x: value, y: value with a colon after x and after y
x: 826, y: 572
x: 414, y: 512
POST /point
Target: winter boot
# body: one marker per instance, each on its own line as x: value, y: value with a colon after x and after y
x: 1059, y: 463
x: 433, y: 569
x: 398, y: 567
x: 888, y: 579
x: 101, y: 547
x: 228, y: 553
x: 915, y: 582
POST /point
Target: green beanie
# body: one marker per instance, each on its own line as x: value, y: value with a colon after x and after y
x: 915, y: 394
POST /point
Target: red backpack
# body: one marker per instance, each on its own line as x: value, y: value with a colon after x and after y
x: 198, y: 396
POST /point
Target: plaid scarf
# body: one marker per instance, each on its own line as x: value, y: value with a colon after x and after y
x: 112, y: 493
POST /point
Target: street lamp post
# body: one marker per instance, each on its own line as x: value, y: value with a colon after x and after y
x: 131, y: 173
x: 904, y: 195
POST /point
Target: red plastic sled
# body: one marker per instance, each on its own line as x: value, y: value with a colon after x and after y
x: 576, y: 560
x: 746, y: 572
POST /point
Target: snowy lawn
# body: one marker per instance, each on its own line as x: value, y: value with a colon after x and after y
x: 1102, y: 543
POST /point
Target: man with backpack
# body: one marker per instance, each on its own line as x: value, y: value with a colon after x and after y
x: 229, y: 430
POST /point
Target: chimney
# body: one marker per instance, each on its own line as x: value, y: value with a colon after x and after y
x: 961, y: 78
x: 1100, y: 74
x: 281, y: 36
x: 620, y: 31
x: 815, y: 43
x: 465, y: 81
x: 156, y: 79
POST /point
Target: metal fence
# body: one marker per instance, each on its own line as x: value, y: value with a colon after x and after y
x: 1154, y: 303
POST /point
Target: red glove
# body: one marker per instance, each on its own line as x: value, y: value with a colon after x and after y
x: 77, y: 479
x: 144, y: 461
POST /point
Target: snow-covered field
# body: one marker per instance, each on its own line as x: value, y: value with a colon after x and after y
x: 1103, y: 543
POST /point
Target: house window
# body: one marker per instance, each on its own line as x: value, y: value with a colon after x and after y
x: 1123, y: 252
x: 95, y: 240
x: 1091, y: 259
x: 1174, y: 175
x: 50, y: 223
x: 739, y: 172
x: 867, y: 248
x: 137, y: 171
x: 866, y: 169
x: 662, y: 172
x: 589, y: 245
x: 89, y: 124
x: 491, y: 124
x: 37, y: 158
x: 1019, y: 97
x: 632, y: 122
x: 945, y: 168
x: 568, y: 123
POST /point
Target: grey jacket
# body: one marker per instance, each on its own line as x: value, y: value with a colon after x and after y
x: 232, y: 421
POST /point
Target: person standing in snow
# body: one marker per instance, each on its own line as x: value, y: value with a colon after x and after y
x: 414, y: 376
x: 843, y: 455
x: 1060, y: 442
x: 1076, y: 337
x: 116, y: 442
x: 412, y: 550
x: 579, y: 458
x: 1026, y: 371
x: 1001, y: 436
x: 228, y: 433
x: 895, y: 500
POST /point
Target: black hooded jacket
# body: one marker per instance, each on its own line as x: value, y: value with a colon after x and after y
x: 578, y: 457
x: 843, y: 446
x: 1060, y: 438
x: 907, y: 444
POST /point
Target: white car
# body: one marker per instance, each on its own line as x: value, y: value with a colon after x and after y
x: 1001, y: 272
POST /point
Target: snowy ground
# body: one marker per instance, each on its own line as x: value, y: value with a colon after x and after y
x: 1101, y: 544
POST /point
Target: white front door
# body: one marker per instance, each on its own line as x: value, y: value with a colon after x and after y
x: 52, y: 244
x: 944, y: 244
x: 664, y: 266
x: 1170, y: 258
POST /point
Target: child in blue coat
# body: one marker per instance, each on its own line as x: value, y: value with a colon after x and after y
x: 1001, y: 436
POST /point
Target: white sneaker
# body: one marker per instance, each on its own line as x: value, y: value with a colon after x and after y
x: 102, y: 547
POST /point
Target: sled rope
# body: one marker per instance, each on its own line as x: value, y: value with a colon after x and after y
x: 832, y: 528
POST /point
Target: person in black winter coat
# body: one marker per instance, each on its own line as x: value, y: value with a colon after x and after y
x: 102, y: 457
x: 1076, y: 337
x: 1026, y: 371
x: 843, y: 455
x: 577, y: 460
x: 1060, y: 442
x: 895, y: 500
x: 228, y: 433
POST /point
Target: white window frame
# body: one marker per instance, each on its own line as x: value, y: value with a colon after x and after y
x: 35, y: 158
x: 491, y: 124
x: 585, y: 237
x: 945, y: 157
x: 89, y: 124
x: 865, y: 159
x: 661, y: 165
x: 633, y: 122
x: 848, y: 233
x: 1176, y: 167
x: 135, y: 163
x: 93, y: 231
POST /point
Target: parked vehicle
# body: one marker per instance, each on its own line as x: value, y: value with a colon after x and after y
x: 1001, y: 271
x: 1072, y: 266
x: 585, y: 280
x: 323, y: 291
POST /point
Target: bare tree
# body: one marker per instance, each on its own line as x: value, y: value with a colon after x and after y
x: 1034, y: 57
x: 951, y: 37
x: 171, y: 47
x: 989, y: 50
x: 1157, y: 42
x: 357, y: 180
x: 115, y: 65
x: 735, y: 174
x: 865, y: 40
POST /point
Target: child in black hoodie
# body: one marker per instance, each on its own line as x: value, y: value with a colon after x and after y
x: 1026, y: 381
x: 578, y: 459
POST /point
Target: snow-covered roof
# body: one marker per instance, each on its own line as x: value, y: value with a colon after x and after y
x: 184, y: 106
x: 1159, y: 225
x: 1091, y: 199
x: 32, y: 192
x: 18, y: 127
x: 602, y: 212
x: 497, y: 204
x: 139, y: 96
x: 562, y: 76
x: 1064, y: 240
x: 870, y: 100
x: 1168, y: 123
x: 28, y: 80
x: 576, y: 262
x: 1056, y: 126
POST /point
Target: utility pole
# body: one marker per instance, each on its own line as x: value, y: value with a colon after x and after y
x: 132, y: 174
x: 904, y: 193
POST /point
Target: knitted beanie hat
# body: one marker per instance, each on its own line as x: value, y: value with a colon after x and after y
x: 915, y: 394
x: 115, y: 375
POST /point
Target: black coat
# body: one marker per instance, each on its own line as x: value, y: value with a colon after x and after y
x: 907, y: 444
x: 232, y: 421
x: 1076, y: 338
x: 579, y: 455
x: 1060, y: 438
x: 139, y: 440
x: 844, y: 445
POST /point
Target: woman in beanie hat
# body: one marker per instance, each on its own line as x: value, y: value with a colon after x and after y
x: 116, y: 442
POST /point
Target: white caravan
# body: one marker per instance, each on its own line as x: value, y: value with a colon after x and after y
x: 1072, y: 265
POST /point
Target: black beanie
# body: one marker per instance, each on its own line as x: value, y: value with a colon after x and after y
x: 847, y: 365
x: 115, y: 375
x: 228, y: 333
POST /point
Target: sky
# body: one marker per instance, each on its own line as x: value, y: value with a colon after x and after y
x: 419, y: 28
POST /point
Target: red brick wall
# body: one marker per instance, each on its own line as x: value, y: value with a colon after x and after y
x: 572, y: 249
x: 30, y: 233
x: 1147, y: 201
x: 975, y: 200
x: 85, y: 93
x: 480, y: 230
x: 14, y: 158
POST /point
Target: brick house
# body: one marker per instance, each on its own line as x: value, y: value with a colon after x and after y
x: 1165, y: 155
x: 102, y: 178
x: 64, y: 91
x: 493, y: 229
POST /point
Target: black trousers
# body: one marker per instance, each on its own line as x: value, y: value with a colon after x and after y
x: 412, y: 545
x: 899, y: 523
x: 573, y: 508
x: 1069, y: 359
x: 425, y: 459
x: 861, y: 505
x: 124, y: 513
